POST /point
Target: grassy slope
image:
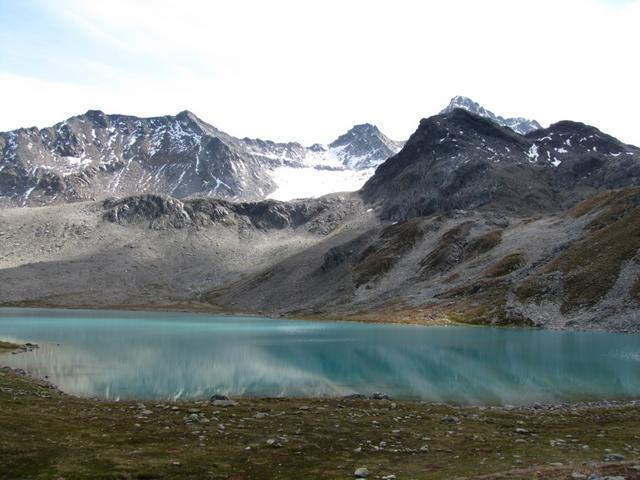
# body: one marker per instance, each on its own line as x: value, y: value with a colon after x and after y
x: 591, y: 265
x: 44, y: 435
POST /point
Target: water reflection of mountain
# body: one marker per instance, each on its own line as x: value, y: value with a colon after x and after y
x: 194, y: 356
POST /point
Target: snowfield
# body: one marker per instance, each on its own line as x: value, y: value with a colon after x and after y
x: 309, y: 182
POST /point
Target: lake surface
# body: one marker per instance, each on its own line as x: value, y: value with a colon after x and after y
x: 173, y: 355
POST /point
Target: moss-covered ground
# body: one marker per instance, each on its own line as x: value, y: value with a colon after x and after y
x: 47, y: 435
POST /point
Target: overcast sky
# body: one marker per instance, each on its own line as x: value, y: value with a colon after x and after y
x: 307, y: 71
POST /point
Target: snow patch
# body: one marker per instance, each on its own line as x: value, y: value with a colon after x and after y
x: 533, y: 153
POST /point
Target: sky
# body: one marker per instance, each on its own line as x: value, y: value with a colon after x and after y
x: 307, y: 71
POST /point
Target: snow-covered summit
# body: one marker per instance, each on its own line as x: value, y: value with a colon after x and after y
x: 517, y: 124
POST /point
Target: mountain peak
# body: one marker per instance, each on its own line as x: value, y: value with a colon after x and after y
x: 365, y: 128
x: 188, y: 116
x: 364, y: 146
x: 517, y: 124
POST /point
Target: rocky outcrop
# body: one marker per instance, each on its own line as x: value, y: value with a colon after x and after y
x: 162, y: 212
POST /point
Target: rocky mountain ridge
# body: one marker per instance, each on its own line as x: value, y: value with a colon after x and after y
x: 96, y: 155
x: 518, y: 124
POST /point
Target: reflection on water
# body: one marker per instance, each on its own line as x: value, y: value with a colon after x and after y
x: 166, y: 355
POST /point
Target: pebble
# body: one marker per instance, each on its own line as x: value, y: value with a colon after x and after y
x: 613, y: 457
x: 361, y: 472
x: 450, y: 419
x: 389, y: 477
x: 522, y: 431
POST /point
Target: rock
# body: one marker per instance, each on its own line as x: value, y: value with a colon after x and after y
x: 424, y: 449
x: 578, y: 476
x: 450, y: 419
x: 361, y: 472
x: 613, y: 477
x: 522, y: 431
x: 261, y: 415
x: 380, y: 396
x: 357, y: 450
x: 224, y: 403
x: 218, y: 396
x: 271, y: 442
x: 355, y: 396
x: 389, y: 477
x: 613, y: 457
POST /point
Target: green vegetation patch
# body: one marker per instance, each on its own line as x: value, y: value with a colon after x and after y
x: 483, y: 243
x: 8, y: 347
x: 483, y: 302
x: 393, y: 243
x: 448, y: 252
x: 592, y: 264
x: 533, y: 288
x: 506, y: 265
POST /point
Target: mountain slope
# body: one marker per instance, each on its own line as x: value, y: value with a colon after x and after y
x: 97, y: 155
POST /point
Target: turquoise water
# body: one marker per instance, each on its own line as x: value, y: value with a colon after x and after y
x: 171, y: 355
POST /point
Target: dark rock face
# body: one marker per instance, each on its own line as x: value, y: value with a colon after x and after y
x: 459, y: 160
x: 518, y: 124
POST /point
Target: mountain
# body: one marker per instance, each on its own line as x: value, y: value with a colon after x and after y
x: 364, y: 146
x: 518, y: 125
x: 460, y: 160
x: 469, y: 222
x: 96, y: 155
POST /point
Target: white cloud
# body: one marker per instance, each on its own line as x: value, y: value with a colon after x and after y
x: 309, y: 70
